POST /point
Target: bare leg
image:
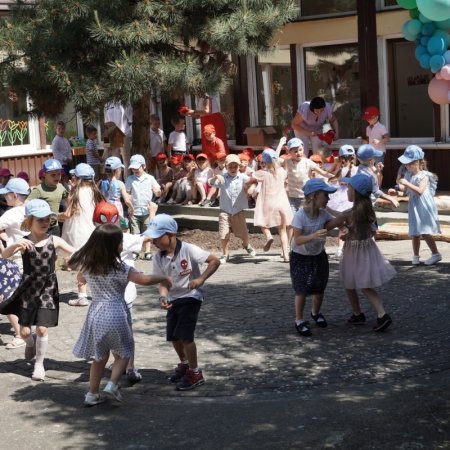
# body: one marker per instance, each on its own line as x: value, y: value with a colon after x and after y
x: 225, y: 245
x: 374, y: 298
x: 316, y: 303
x: 96, y: 373
x: 190, y: 349
x: 179, y: 348
x: 416, y: 245
x: 352, y: 296
x: 299, y: 300
x: 284, y: 242
x: 14, y: 321
x: 430, y: 242
x: 119, y: 367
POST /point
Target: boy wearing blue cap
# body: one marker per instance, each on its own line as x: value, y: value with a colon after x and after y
x: 181, y: 261
x: 52, y: 191
x: 309, y: 262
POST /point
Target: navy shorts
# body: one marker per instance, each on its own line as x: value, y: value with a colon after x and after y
x: 182, y: 319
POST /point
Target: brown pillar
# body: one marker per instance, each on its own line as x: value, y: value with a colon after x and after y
x: 367, y: 48
x: 294, y: 81
x: 241, y: 105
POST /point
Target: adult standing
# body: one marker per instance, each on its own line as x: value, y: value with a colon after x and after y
x: 308, y: 122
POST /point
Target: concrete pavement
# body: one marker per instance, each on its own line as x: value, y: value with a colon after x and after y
x: 266, y: 387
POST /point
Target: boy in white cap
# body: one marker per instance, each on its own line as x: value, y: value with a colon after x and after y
x: 15, y: 192
x: 181, y: 261
x: 141, y: 186
x: 233, y: 201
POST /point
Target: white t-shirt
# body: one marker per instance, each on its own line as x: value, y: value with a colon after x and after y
x: 183, y: 268
x: 202, y: 176
x: 297, y: 175
x: 121, y: 116
x: 308, y: 226
x: 157, y: 139
x: 132, y: 243
x: 62, y: 151
x: 10, y: 222
x: 377, y: 132
x: 178, y: 141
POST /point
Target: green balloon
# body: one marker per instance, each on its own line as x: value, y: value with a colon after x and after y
x: 414, y: 13
x: 407, y: 4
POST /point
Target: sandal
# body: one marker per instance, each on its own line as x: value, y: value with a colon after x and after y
x: 268, y: 245
x: 319, y: 319
x: 80, y: 301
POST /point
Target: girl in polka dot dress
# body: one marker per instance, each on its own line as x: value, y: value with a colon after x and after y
x: 108, y: 323
x: 36, y: 300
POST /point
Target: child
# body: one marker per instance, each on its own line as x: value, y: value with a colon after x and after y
x: 272, y: 205
x: 157, y: 143
x: 309, y: 261
x: 362, y: 265
x: 52, y: 191
x: 113, y: 188
x: 214, y: 145
x: 212, y: 198
x: 182, y: 262
x: 61, y: 148
x: 233, y: 201
x: 202, y: 174
x: 5, y: 176
x: 93, y: 157
x: 107, y: 327
x: 318, y: 159
x: 179, y: 173
x: 141, y: 186
x: 177, y: 144
x: 376, y: 133
x: 15, y: 192
x: 423, y: 220
x: 244, y: 164
x: 367, y: 155
x: 165, y: 177
x: 36, y: 300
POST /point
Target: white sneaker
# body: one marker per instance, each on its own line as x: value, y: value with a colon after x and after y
x: 433, y: 259
x: 224, y: 259
x: 250, y: 250
x: 113, y: 391
x: 93, y: 399
x: 416, y: 261
x: 17, y: 342
x: 133, y: 375
x: 338, y: 253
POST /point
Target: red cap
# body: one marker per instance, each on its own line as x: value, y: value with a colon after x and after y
x: 316, y: 158
x: 160, y: 156
x: 370, y: 112
x: 244, y: 157
x: 23, y: 175
x: 208, y: 129
x: 176, y: 159
x: 259, y: 157
x: 5, y: 173
x: 183, y: 109
x: 249, y: 151
x: 201, y: 155
x: 41, y: 173
x: 191, y: 157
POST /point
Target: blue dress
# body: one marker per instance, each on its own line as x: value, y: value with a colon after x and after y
x: 422, y: 210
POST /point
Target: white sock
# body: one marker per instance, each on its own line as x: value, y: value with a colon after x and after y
x: 41, y: 349
x: 298, y: 322
x: 82, y: 295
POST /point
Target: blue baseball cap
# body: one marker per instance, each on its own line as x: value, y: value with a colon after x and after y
x: 294, y: 143
x: 83, y: 171
x: 136, y: 161
x: 367, y: 151
x: 51, y: 164
x: 160, y: 225
x: 16, y: 185
x: 317, y: 184
x: 268, y: 156
x: 346, y: 150
x: 412, y: 153
x: 360, y: 183
x: 113, y: 163
x: 38, y: 208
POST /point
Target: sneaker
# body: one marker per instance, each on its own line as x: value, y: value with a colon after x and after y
x: 357, y: 319
x: 80, y: 301
x: 179, y: 372
x: 93, y: 399
x: 382, y: 323
x: 433, y: 259
x: 320, y: 320
x: 135, y: 256
x: 190, y: 380
x: 38, y: 373
x: 30, y: 352
x: 338, y: 253
x: 224, y: 259
x: 268, y: 245
x: 171, y: 202
x: 214, y: 203
x: 148, y: 256
x: 133, y: 375
x: 113, y: 390
x: 250, y: 250
x: 204, y: 202
x: 303, y: 328
x: 415, y: 260
x: 17, y: 342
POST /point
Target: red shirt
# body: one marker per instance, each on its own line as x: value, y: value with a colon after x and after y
x: 212, y: 148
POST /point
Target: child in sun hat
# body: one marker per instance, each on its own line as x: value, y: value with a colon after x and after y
x: 420, y: 186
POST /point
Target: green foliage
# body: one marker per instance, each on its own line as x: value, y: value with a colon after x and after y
x: 95, y: 51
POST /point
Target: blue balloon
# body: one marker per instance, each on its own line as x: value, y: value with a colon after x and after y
x: 436, y: 63
x: 424, y: 61
x: 424, y: 40
x: 446, y: 56
x: 411, y: 29
x: 444, y: 35
x: 443, y: 25
x: 424, y: 19
x: 436, y: 46
x: 420, y: 50
x: 428, y: 29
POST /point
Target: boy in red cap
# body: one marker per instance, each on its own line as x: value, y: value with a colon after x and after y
x: 214, y: 145
x: 244, y: 165
x: 202, y: 174
x: 376, y: 133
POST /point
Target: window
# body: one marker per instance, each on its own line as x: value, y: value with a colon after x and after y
x: 310, y: 8
x: 274, y: 83
x: 390, y: 3
x: 332, y: 72
x: 14, y: 126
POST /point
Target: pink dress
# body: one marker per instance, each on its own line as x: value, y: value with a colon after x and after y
x: 272, y: 205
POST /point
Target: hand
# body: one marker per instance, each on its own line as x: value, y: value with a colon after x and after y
x: 220, y: 179
x: 195, y: 283
x: 380, y: 166
x: 395, y: 202
x: 164, y: 303
x: 402, y: 181
x: 24, y: 244
x: 320, y: 234
x: 376, y: 141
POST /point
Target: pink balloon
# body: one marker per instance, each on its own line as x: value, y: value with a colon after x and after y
x: 438, y: 76
x: 438, y: 91
x: 445, y: 72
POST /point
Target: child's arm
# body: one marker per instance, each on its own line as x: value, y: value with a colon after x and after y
x: 127, y: 199
x: 417, y: 189
x: 147, y: 280
x: 393, y: 200
x: 339, y: 220
x: 21, y: 245
x: 384, y: 140
x: 213, y: 264
x: 63, y: 245
x: 301, y: 239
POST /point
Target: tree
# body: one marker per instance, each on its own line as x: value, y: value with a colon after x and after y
x: 92, y: 52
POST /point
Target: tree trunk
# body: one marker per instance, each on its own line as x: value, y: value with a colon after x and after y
x: 141, y: 125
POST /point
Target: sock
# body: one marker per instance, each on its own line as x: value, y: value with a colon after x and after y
x: 29, y: 341
x: 298, y: 322
x: 41, y: 348
x: 82, y: 295
x: 195, y: 370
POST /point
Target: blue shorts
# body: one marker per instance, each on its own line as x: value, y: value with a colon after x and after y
x: 182, y: 319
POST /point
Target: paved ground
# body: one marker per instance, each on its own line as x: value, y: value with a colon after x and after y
x: 267, y: 387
